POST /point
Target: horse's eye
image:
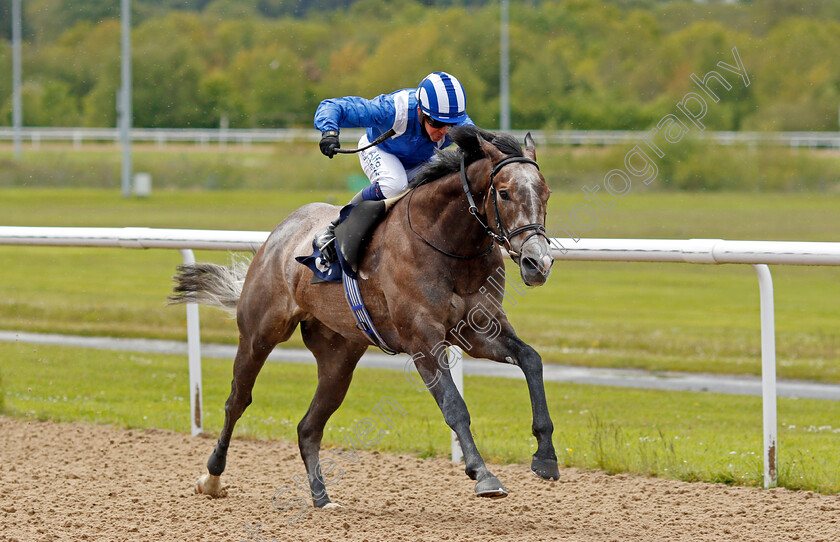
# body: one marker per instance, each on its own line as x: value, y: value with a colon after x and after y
x: 504, y: 195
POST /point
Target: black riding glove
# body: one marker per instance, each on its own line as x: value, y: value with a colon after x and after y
x: 329, y: 143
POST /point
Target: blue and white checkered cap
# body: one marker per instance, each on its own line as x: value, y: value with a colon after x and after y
x: 442, y: 97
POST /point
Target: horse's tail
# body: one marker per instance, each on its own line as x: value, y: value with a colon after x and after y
x: 210, y: 284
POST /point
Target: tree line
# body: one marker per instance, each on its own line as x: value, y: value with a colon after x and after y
x: 575, y: 64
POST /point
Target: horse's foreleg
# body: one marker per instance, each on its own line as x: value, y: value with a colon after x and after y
x: 506, y: 347
x: 337, y: 359
x: 439, y: 382
x: 544, y: 460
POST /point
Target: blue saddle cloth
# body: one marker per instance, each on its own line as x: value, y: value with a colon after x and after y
x: 329, y: 272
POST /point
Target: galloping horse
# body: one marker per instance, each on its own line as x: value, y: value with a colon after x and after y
x: 425, y: 271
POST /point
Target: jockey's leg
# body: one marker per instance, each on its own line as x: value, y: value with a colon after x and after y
x: 388, y: 178
x: 383, y: 169
x: 325, y: 239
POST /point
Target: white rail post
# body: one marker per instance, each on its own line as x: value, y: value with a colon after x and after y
x: 194, y: 353
x: 455, y: 359
x: 768, y: 372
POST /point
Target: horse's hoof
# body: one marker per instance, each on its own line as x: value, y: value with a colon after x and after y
x: 331, y: 505
x: 491, y: 488
x: 545, y: 468
x: 323, y: 502
x: 209, y: 485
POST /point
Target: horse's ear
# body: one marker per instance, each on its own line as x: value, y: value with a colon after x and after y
x: 490, y: 150
x: 530, y: 147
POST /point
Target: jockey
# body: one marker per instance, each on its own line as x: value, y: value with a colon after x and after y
x: 420, y: 119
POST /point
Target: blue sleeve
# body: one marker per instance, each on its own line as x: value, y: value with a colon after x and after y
x: 355, y: 112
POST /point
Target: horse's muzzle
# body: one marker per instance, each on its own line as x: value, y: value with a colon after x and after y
x: 535, y: 267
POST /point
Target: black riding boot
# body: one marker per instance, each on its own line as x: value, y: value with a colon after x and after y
x: 325, y: 240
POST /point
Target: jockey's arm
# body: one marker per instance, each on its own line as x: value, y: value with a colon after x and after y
x: 354, y: 112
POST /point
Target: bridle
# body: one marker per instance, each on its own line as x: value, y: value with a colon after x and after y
x: 504, y: 236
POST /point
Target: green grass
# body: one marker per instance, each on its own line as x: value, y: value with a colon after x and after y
x: 178, y: 167
x: 654, y: 316
x: 687, y: 436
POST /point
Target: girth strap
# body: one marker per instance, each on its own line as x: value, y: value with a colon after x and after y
x: 363, y: 320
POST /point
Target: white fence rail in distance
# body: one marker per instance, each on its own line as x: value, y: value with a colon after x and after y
x: 222, y: 136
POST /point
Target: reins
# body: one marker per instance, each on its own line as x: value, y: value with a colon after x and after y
x: 504, y: 236
x: 375, y: 142
x: 456, y: 256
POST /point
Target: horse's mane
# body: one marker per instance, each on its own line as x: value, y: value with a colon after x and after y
x: 466, y: 137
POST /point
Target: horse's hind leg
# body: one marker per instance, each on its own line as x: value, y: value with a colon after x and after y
x: 337, y: 358
x: 250, y: 358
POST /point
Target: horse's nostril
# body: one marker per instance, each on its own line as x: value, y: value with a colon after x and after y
x: 530, y: 264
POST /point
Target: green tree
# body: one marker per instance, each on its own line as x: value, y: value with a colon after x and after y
x: 230, y: 9
x: 272, y: 86
x: 49, y: 19
x: 219, y: 100
x: 797, y: 78
x: 167, y: 70
x: 574, y: 63
x: 94, y: 57
x: 49, y: 104
x: 6, y: 79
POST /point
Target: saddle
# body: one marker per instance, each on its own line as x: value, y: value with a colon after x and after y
x: 353, y: 233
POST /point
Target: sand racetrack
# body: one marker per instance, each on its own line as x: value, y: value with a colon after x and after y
x: 73, y: 481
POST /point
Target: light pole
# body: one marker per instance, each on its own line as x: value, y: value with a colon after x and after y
x: 17, y: 104
x: 125, y: 98
x: 504, y: 68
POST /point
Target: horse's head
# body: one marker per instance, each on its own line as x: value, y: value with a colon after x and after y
x: 515, y: 207
x: 505, y: 192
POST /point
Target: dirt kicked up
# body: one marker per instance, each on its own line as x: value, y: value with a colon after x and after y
x: 73, y: 481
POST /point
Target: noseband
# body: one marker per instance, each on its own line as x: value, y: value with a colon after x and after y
x: 504, y: 235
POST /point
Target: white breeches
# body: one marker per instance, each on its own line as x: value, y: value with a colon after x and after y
x: 386, y: 169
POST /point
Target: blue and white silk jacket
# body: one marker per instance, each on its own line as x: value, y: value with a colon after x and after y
x: 397, y: 110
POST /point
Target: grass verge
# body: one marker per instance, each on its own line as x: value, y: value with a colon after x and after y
x: 686, y: 436
x: 689, y: 165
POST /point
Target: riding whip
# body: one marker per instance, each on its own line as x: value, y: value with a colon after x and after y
x: 376, y: 142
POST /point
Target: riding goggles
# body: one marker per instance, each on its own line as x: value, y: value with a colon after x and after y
x: 434, y: 123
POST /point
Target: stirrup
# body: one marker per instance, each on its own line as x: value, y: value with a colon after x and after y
x: 325, y: 243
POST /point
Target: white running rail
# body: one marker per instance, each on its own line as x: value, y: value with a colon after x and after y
x: 708, y: 251
x: 244, y: 136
